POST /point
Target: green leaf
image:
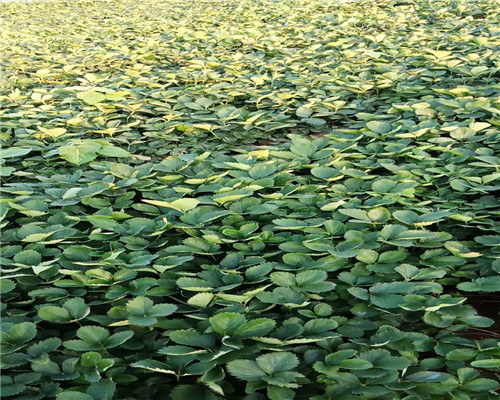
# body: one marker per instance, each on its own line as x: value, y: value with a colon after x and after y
x: 91, y: 97
x: 162, y: 310
x: 93, y: 335
x: 28, y: 257
x: 303, y: 147
x: 112, y: 151
x: 261, y: 171
x: 12, y: 152
x: 408, y: 217
x: 153, y: 365
x: 488, y: 363
x: 11, y: 389
x: 313, y: 281
x: 285, y: 279
x: 74, y: 396
x: 428, y: 376
x: 384, y: 186
x: 22, y: 333
x: 407, y: 271
x: 481, y: 385
x: 392, y: 256
x: 141, y: 320
x: 286, y: 223
x: 201, y: 300
x: 338, y: 356
x: 461, y: 354
x: 462, y: 133
x: 379, y: 214
x: 140, y: 306
x: 246, y: 370
x: 355, y: 213
x: 486, y: 284
x: 54, y: 314
x: 102, y: 390
x: 182, y: 205
x: 256, y: 327
x: 190, y: 337
x: 379, y: 127
x: 391, y: 287
x: 44, y: 346
x: 77, y: 308
x: 272, y: 363
x: 488, y: 240
x: 118, y: 338
x: 319, y: 325
x: 466, y: 374
x: 367, y: 256
x: 6, y: 286
x: 81, y: 153
x: 227, y: 323
x: 280, y: 393
x: 304, y: 112
x: 355, y: 364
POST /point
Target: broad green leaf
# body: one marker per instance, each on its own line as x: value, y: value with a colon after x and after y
x: 140, y: 306
x: 91, y: 97
x: 303, y: 147
x: 379, y: 127
x: 112, y: 151
x: 428, y: 376
x: 327, y: 173
x: 355, y: 364
x: 280, y: 393
x: 93, y: 335
x: 184, y: 204
x: 54, y: 314
x: 12, y: 152
x: 162, y: 310
x: 227, y: 323
x: 181, y: 205
x: 287, y: 223
x: 256, y: 327
x: 272, y: 363
x: 488, y: 363
x: 28, y: 257
x: 154, y: 365
x: 118, y: 338
x: 190, y: 337
x: 247, y: 370
x: 488, y: 240
x: 482, y: 385
x: 462, y: 133
x: 304, y: 112
x: 261, y: 171
x: 77, y: 308
x: 486, y: 284
x: 80, y: 153
x: 6, y: 286
x: 201, y: 300
x: 102, y: 390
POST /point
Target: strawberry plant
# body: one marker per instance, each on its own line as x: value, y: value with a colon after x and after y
x: 250, y: 200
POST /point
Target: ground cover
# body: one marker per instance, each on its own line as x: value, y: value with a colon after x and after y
x: 250, y: 200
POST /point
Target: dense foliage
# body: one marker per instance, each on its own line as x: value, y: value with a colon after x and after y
x: 250, y: 200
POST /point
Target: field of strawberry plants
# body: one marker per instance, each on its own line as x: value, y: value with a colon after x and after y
x: 250, y: 200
